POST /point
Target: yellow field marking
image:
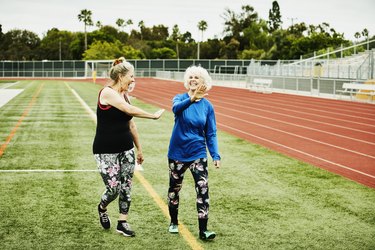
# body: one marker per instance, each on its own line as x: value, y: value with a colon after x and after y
x: 24, y: 114
x: 188, y: 236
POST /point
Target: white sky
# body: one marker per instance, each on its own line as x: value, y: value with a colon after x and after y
x: 39, y: 16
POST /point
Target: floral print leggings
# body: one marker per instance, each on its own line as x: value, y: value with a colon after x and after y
x: 198, y: 168
x: 117, y: 173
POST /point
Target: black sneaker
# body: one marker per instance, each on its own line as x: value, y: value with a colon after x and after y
x: 207, y: 235
x: 103, y: 217
x: 124, y: 229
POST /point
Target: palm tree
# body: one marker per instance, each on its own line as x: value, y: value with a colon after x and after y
x: 122, y: 24
x: 202, y: 26
x: 99, y: 24
x: 365, y: 33
x: 85, y: 16
x: 176, y: 36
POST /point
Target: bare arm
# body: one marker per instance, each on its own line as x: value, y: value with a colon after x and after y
x: 134, y: 132
x: 111, y: 97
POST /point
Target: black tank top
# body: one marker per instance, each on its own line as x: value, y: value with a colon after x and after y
x: 112, y: 130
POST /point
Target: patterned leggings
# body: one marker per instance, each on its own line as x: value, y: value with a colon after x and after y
x: 117, y: 173
x: 198, y: 168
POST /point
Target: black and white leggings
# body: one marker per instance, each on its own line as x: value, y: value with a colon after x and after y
x: 117, y: 172
x: 198, y: 168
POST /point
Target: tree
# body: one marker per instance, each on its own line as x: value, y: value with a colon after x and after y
x: 365, y: 33
x: 230, y: 51
x: 141, y: 26
x: 99, y: 24
x: 274, y: 17
x: 163, y: 53
x: 357, y: 35
x: 19, y: 45
x: 235, y: 24
x: 176, y: 37
x: 202, y: 26
x: 120, y: 23
x: 55, y: 45
x: 85, y: 17
x: 99, y: 50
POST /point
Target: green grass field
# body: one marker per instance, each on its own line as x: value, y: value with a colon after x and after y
x: 260, y: 199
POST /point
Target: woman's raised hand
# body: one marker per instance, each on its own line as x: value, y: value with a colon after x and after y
x: 199, y: 93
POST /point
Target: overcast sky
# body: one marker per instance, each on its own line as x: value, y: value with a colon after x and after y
x: 39, y: 16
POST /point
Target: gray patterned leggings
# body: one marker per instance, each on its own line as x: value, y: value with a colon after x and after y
x: 117, y: 173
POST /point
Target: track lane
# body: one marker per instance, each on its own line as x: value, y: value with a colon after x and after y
x: 330, y: 135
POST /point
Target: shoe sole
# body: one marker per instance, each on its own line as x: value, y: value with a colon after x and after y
x: 211, y: 237
x: 173, y: 232
x: 124, y: 234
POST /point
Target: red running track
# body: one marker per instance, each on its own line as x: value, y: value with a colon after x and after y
x: 338, y: 136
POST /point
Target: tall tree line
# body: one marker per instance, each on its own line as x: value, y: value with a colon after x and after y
x: 245, y: 36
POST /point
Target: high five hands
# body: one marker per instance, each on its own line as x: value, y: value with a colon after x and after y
x: 158, y: 114
x: 199, y: 93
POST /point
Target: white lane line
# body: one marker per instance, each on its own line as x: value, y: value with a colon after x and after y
x: 295, y: 135
x: 298, y: 151
x: 296, y: 125
x: 305, y: 119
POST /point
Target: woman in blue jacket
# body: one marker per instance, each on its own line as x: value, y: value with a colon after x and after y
x: 194, y: 131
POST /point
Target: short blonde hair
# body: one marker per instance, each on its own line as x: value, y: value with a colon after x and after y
x: 120, y: 67
x: 201, y: 73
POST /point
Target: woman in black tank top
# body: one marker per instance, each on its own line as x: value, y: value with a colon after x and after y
x: 113, y: 147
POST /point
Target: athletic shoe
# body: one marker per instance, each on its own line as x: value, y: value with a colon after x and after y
x: 124, y: 229
x: 173, y: 228
x: 207, y: 235
x: 103, y: 217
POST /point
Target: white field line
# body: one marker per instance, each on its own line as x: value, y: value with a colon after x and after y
x: 9, y: 85
x: 188, y: 236
x: 298, y: 151
x: 8, y: 94
x: 87, y: 108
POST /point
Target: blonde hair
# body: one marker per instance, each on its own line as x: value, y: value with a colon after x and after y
x: 201, y: 73
x: 120, y: 67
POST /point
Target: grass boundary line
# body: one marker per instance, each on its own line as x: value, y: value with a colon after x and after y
x: 187, y: 235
